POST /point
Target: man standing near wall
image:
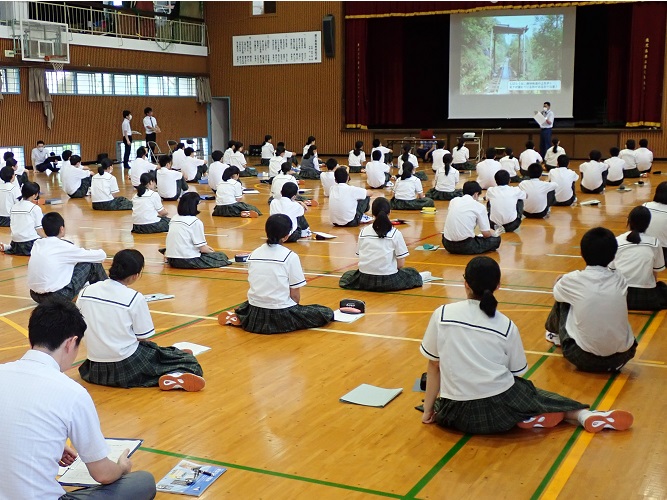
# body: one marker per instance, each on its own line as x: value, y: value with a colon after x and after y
x: 150, y: 124
x: 545, y: 128
x: 127, y: 138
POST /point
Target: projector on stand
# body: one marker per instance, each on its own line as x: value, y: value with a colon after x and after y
x: 469, y: 135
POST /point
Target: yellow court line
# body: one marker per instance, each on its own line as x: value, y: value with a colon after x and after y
x: 7, y: 313
x: 214, y: 318
x: 362, y: 334
x: 574, y: 456
x: 15, y: 326
x: 14, y: 347
x: 14, y: 297
x: 640, y: 362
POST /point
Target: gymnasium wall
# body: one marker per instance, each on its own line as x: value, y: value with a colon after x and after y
x: 289, y: 102
x: 95, y: 121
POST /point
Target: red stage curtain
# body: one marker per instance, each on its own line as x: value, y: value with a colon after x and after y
x: 618, y: 58
x: 356, y: 100
x: 422, y: 8
x: 385, y: 71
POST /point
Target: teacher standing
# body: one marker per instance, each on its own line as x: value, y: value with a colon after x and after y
x: 150, y: 124
x: 127, y: 138
x: 545, y: 128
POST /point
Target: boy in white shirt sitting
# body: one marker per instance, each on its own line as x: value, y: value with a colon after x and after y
x: 76, y: 178
x: 540, y: 195
x: 193, y: 168
x: 231, y: 149
x: 593, y: 174
x: 348, y: 204
x: 644, y: 157
x: 486, y: 169
x: 58, y: 268
x: 566, y: 179
x: 528, y: 157
x: 170, y: 183
x: 295, y: 210
x: 327, y: 176
x: 507, y: 206
x: 178, y: 157
x: 590, y: 317
x: 9, y: 194
x: 615, y: 168
x: 387, y: 154
x: 377, y: 173
x: 276, y: 163
x: 20, y: 175
x: 140, y: 165
x: 630, y: 171
x: 216, y: 169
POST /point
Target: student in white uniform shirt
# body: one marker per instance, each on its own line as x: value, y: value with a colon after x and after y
x: 20, y: 175
x: 276, y: 163
x: 148, y: 213
x: 461, y: 155
x: 540, y: 195
x: 43, y: 408
x: 279, y: 181
x: 408, y: 191
x: 486, y: 169
x: 186, y: 243
x: 630, y: 170
x: 267, y: 150
x: 178, y: 157
x: 140, y: 166
x: 464, y: 214
x: 615, y: 168
x: 310, y: 164
x: 41, y: 159
x: 644, y: 157
x: 446, y: 179
x: 228, y: 197
x: 151, y: 128
x: 593, y: 174
x: 348, y: 204
x: 438, y: 154
x: 327, y: 178
x: 565, y: 179
x: 276, y: 278
x: 639, y: 259
x: 528, y: 157
x: 193, y: 168
x: 382, y: 252
x: 658, y: 208
x: 505, y: 203
x: 231, y: 149
x: 25, y: 222
x: 510, y: 164
x: 356, y: 159
x: 552, y: 154
x: 475, y: 359
x: 590, y: 317
x: 387, y: 154
x: 237, y: 158
x: 126, y: 130
x: 295, y: 210
x: 118, y: 350
x: 309, y: 142
x: 215, y: 170
x: 104, y: 186
x: 57, y: 267
x: 10, y: 194
x: 377, y: 173
x: 65, y: 157
x: 407, y: 156
x: 170, y: 183
x: 290, y: 156
x: 76, y: 179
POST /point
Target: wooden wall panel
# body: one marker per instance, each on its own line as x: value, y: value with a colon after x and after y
x: 289, y: 102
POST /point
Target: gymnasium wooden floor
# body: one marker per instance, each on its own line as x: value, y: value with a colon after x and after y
x: 270, y: 411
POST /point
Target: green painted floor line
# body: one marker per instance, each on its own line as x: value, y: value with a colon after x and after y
x: 462, y: 442
x: 570, y: 442
x: 272, y: 473
x: 13, y: 267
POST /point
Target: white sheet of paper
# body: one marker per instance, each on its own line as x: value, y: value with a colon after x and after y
x: 590, y: 202
x: 539, y: 118
x: 370, y: 395
x: 77, y: 473
x: 346, y: 317
x: 324, y: 235
x: 195, y: 348
x: 250, y: 191
x: 151, y: 297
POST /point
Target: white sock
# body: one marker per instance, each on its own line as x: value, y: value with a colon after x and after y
x: 583, y: 415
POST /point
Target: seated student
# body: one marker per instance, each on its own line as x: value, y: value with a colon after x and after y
x: 238, y: 159
x: 630, y: 171
x: 408, y: 191
x: 25, y: 221
x: 193, y: 168
x: 290, y: 156
x: 639, y: 259
x: 510, y: 164
x: 104, y: 186
x: 215, y: 170
x: 267, y: 150
x: 309, y: 142
x: 279, y: 181
x: 593, y: 342
x: 438, y: 154
x: 356, y: 158
x: 186, y: 244
x: 170, y: 183
x: 228, y: 197
x: 643, y: 157
x: 387, y: 154
x: 463, y: 216
x: 528, y: 157
x: 148, y: 214
x: 540, y: 195
x: 21, y: 176
x: 475, y: 359
x: 461, y: 155
x: 119, y: 352
x: 407, y: 156
x: 287, y: 204
x: 552, y: 154
x: 348, y: 204
x: 565, y: 179
x: 227, y: 155
x: 65, y: 156
x: 41, y: 159
x: 310, y: 164
x: 507, y: 207
x: 10, y: 194
x: 446, y: 179
x: 76, y: 179
x: 615, y: 168
x: 593, y: 174
x: 327, y: 177
x: 658, y: 208
x: 140, y: 166
x: 43, y: 408
x: 57, y: 267
x: 275, y: 163
x: 178, y: 157
x: 382, y: 252
x: 275, y: 278
x: 377, y: 173
x: 487, y: 168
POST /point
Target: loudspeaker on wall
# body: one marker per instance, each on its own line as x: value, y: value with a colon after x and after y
x: 328, y: 35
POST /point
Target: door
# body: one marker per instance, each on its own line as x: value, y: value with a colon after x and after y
x: 219, y: 126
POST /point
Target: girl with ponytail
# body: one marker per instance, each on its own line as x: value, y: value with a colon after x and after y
x: 357, y: 158
x: 510, y: 163
x: 275, y: 277
x: 102, y: 188
x: 382, y: 252
x: 407, y: 156
x: 446, y: 179
x: 148, y: 213
x: 475, y: 359
x: 408, y: 191
x: 639, y: 258
x: 552, y: 154
x: 460, y: 156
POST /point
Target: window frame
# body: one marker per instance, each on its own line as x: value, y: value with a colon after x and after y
x: 14, y: 80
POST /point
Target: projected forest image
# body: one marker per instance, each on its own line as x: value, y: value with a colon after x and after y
x: 511, y: 55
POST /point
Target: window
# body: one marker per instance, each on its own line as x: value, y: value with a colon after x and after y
x: 263, y: 8
x: 10, y: 81
x: 199, y: 144
x: 19, y: 154
x: 120, y: 150
x: 58, y: 149
x: 84, y: 83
